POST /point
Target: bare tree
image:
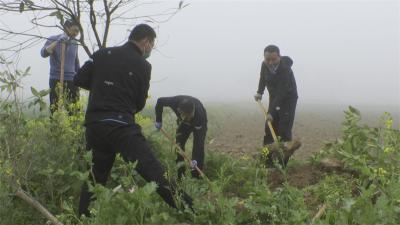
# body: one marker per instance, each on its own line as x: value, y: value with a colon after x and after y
x: 95, y: 18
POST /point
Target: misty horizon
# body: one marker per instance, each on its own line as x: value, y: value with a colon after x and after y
x: 344, y: 52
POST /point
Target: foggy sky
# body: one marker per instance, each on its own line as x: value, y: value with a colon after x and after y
x: 344, y: 52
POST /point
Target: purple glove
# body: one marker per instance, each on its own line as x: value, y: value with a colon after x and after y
x: 193, y: 164
x: 158, y: 125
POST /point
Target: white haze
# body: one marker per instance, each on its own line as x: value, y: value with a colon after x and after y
x: 344, y: 52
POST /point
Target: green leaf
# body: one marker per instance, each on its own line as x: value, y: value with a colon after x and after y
x: 54, y: 13
x: 34, y: 92
x: 27, y: 70
x: 43, y: 93
x: 42, y: 105
x: 354, y: 110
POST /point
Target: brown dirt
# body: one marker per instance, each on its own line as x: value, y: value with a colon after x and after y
x: 300, y: 176
x: 238, y: 129
x: 241, y: 129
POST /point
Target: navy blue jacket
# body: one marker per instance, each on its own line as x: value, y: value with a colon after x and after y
x: 118, y: 79
x: 281, y: 86
x: 200, y: 115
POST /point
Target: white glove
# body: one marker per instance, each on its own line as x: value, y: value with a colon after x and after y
x: 270, y: 118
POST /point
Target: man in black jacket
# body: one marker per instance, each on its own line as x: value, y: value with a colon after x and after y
x: 277, y: 75
x: 192, y: 117
x: 118, y: 79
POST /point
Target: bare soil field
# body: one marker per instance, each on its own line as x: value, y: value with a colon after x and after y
x: 238, y: 128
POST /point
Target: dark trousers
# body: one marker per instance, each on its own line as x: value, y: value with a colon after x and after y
x: 71, y: 94
x: 108, y: 139
x: 199, y: 135
x: 282, y: 123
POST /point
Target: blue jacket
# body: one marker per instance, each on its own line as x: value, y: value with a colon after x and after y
x: 71, y: 64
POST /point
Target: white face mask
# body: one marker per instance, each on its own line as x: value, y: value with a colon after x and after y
x: 146, y: 54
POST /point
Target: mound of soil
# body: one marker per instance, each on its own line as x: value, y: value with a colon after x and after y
x: 299, y: 176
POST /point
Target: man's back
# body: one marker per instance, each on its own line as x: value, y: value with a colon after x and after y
x: 200, y: 116
x: 119, y: 85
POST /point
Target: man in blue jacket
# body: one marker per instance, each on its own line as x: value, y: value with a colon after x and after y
x: 277, y: 75
x: 52, y: 49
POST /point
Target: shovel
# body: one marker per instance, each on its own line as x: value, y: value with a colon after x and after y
x: 60, y: 99
x: 271, y: 128
x: 183, y: 154
x: 277, y: 151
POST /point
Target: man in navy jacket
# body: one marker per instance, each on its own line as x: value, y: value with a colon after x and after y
x: 118, y: 79
x: 277, y: 75
x: 192, y: 118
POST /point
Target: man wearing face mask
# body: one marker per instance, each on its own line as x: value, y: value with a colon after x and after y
x: 52, y: 48
x: 191, y: 118
x: 118, y: 79
x: 277, y: 75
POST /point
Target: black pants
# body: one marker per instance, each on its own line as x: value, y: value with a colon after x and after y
x: 282, y: 123
x: 71, y: 93
x: 199, y: 135
x: 107, y: 139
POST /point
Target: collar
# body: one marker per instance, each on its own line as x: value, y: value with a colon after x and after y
x: 132, y: 45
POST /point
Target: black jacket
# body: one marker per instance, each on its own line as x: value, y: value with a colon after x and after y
x: 200, y: 115
x: 118, y: 79
x: 281, y: 85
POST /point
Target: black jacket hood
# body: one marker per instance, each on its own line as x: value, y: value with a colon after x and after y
x: 286, y: 61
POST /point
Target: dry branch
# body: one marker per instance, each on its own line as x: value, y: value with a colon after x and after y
x: 35, y: 204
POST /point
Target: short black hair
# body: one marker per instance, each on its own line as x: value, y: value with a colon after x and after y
x: 141, y: 32
x: 70, y: 23
x: 272, y: 48
x: 186, y: 106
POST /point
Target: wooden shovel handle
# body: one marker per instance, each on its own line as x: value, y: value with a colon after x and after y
x: 182, y: 153
x: 271, y: 128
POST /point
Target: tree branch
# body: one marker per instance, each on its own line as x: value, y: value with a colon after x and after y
x: 107, y: 26
x: 35, y: 204
x: 93, y: 22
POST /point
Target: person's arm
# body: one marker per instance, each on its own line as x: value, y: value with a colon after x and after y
x: 77, y: 62
x: 48, y: 48
x: 261, y: 82
x: 161, y: 103
x: 200, y: 120
x: 84, y: 75
x: 144, y: 88
x: 199, y: 137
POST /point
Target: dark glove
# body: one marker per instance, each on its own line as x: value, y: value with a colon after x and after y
x: 257, y: 97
